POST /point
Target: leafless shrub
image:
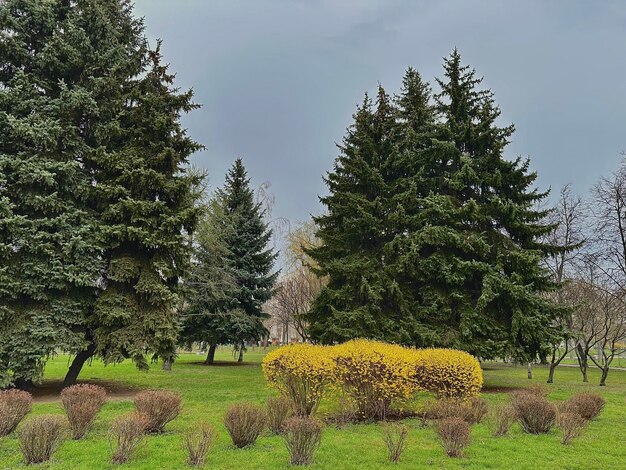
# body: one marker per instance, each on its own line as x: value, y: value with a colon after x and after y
x: 14, y: 405
x: 245, y: 423
x: 587, y: 405
x: 572, y: 425
x: 302, y: 436
x: 500, y: 418
x: 278, y: 410
x: 81, y: 404
x: 127, y: 435
x: 159, y: 407
x: 198, y: 443
x: 454, y: 434
x: 472, y: 410
x: 395, y: 438
x: 40, y: 437
x: 534, y: 412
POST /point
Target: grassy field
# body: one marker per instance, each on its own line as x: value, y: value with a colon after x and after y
x: 207, y: 391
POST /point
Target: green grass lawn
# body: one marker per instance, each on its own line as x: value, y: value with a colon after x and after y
x: 208, y: 390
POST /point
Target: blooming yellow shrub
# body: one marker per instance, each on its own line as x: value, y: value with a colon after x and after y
x: 300, y: 372
x: 447, y: 372
x: 373, y: 374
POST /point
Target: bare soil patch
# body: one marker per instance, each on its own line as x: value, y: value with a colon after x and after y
x: 49, y: 391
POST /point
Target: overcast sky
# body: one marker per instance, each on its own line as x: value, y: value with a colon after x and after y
x: 280, y: 79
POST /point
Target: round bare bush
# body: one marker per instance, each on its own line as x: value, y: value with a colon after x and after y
x: 535, y: 413
x: 159, y: 407
x: 588, y: 405
x: 40, y: 437
x: 198, y: 443
x: 245, y: 422
x: 475, y: 409
x: 82, y: 403
x: 126, y: 435
x: 14, y: 405
x: 572, y: 425
x: 500, y: 418
x: 302, y: 436
x: 454, y: 434
x: 278, y: 410
x: 536, y: 389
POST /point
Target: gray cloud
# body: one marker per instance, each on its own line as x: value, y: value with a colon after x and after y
x: 279, y: 79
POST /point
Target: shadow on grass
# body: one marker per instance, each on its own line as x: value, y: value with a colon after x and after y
x: 223, y: 364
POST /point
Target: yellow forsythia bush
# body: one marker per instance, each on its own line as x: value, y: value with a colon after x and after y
x: 447, y: 372
x: 300, y: 372
x: 373, y: 374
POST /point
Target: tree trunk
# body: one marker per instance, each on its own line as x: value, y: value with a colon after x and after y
x: 240, y: 354
x: 77, y: 365
x: 167, y: 364
x: 555, y: 361
x: 605, y: 373
x: 210, y: 358
x: 581, y: 355
x: 530, y: 370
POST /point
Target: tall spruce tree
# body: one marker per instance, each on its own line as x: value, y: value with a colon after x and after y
x: 57, y: 94
x: 144, y: 196
x: 361, y: 298
x: 93, y: 192
x: 410, y: 180
x: 458, y: 229
x: 479, y: 253
x: 249, y: 259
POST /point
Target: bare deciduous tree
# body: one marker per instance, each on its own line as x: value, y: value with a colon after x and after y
x: 611, y: 321
x: 585, y: 327
x: 605, y: 323
x: 569, y: 217
x: 299, y: 286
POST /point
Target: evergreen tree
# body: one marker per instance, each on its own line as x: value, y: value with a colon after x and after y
x: 446, y: 226
x: 93, y: 194
x: 144, y: 196
x: 249, y: 258
x: 57, y: 91
x: 411, y: 180
x: 361, y: 298
x: 478, y: 256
